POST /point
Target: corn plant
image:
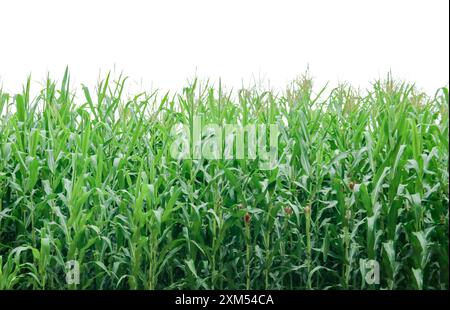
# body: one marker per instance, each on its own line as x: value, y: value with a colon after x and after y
x: 361, y: 178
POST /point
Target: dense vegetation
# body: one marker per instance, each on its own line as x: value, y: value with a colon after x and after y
x: 361, y: 176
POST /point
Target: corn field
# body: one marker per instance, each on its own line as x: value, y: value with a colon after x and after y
x: 361, y: 180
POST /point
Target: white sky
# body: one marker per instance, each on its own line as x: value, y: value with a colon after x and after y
x: 163, y: 43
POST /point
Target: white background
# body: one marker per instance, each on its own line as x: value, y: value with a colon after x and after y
x: 160, y: 44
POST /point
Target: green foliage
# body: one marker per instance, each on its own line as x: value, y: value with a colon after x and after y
x: 359, y: 177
